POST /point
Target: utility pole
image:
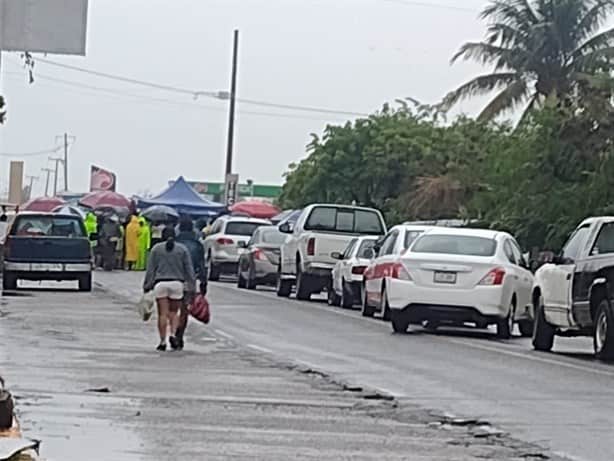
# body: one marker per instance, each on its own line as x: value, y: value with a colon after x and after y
x: 55, y: 176
x: 64, y: 138
x: 48, y: 171
x: 233, y: 94
x: 32, y: 179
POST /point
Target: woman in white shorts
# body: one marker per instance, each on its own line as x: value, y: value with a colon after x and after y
x: 169, y: 272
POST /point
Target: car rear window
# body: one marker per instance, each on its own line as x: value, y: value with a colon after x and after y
x: 272, y: 236
x: 48, y: 226
x: 455, y: 245
x: 345, y: 220
x: 410, y: 237
x: 244, y: 228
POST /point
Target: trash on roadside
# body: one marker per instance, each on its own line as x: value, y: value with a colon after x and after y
x: 145, y: 306
x: 200, y: 309
x: 18, y: 449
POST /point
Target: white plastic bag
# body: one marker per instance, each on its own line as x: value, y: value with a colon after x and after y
x: 145, y: 306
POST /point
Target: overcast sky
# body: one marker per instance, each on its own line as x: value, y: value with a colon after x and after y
x: 350, y: 55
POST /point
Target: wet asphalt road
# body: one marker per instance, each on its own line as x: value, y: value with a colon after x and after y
x: 563, y: 401
x: 89, y: 384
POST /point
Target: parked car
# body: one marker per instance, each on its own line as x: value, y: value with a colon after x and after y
x: 46, y: 246
x: 259, y: 261
x: 458, y: 276
x: 320, y: 230
x: 573, y: 294
x: 222, y: 243
x: 347, y: 275
x: 387, y: 253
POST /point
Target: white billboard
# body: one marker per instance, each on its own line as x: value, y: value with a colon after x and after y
x: 45, y: 26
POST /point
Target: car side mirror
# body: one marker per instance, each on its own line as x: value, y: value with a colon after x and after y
x: 286, y: 228
x: 336, y: 255
x: 242, y: 244
x: 370, y: 253
x: 561, y: 260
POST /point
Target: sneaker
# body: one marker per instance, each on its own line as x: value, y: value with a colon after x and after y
x: 161, y: 347
x: 174, y: 343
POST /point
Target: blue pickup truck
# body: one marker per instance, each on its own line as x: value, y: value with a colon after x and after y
x: 47, y: 246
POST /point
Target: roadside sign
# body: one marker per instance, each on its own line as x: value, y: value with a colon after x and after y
x: 231, y: 189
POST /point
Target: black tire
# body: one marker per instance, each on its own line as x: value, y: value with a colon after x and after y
x: 347, y: 297
x: 431, y: 325
x: 284, y: 287
x: 85, y: 282
x: 367, y: 311
x: 214, y: 272
x: 385, y: 307
x: 603, y: 336
x: 251, y: 282
x: 9, y: 281
x: 303, y: 286
x: 543, y: 332
x: 399, y: 320
x: 241, y: 280
x: 526, y: 328
x: 505, y: 326
x: 333, y: 298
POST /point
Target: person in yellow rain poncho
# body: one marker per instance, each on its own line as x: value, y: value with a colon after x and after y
x: 91, y: 226
x: 133, y: 231
x: 144, y: 244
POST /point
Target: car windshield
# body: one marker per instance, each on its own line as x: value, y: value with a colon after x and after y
x: 48, y: 226
x: 244, y: 228
x: 272, y: 236
x: 345, y: 220
x: 364, y: 249
x: 455, y: 245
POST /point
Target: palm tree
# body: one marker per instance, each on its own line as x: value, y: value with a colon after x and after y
x: 540, y: 49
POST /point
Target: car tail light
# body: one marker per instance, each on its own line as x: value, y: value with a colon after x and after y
x: 359, y: 270
x: 311, y: 247
x: 399, y: 272
x: 225, y: 241
x: 494, y: 277
x: 259, y: 254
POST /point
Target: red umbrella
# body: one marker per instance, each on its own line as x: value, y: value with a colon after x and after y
x: 43, y: 204
x: 100, y: 199
x: 255, y: 209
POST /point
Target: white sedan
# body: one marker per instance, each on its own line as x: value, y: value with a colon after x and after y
x: 458, y: 276
x: 347, y: 275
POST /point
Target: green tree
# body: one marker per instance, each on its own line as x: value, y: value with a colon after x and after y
x: 540, y: 49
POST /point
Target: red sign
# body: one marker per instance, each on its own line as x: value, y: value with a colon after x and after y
x: 101, y: 179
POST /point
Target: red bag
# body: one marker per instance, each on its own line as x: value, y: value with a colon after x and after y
x: 200, y: 309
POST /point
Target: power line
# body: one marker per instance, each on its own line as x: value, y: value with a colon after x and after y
x: 197, y: 93
x: 30, y: 154
x: 432, y: 5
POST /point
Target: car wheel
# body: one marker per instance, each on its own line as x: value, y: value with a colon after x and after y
x: 9, y: 281
x: 251, y: 281
x: 400, y: 321
x: 333, y: 298
x: 505, y: 326
x: 284, y: 287
x: 526, y: 328
x: 603, y: 338
x: 543, y: 332
x: 214, y: 271
x: 367, y: 311
x: 431, y: 325
x: 240, y: 280
x: 85, y: 282
x: 303, y: 285
x: 384, y: 306
x: 347, y: 297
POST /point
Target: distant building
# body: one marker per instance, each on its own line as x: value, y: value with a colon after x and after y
x: 215, y: 191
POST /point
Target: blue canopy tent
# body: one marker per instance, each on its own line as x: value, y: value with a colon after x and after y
x: 185, y: 200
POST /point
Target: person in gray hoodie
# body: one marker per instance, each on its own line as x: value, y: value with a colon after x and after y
x: 169, y: 272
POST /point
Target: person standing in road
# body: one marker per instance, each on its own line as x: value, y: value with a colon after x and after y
x: 133, y: 231
x: 188, y: 237
x: 169, y: 273
x: 144, y: 244
x: 109, y: 235
x: 4, y: 227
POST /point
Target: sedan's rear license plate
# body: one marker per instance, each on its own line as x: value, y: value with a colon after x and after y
x: 445, y: 277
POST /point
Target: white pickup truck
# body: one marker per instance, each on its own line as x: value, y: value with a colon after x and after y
x: 321, y: 229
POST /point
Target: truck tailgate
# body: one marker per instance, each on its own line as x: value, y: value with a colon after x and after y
x: 325, y: 244
x: 48, y: 249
